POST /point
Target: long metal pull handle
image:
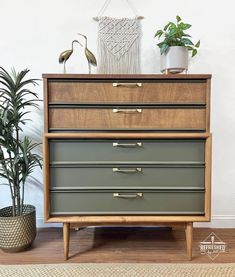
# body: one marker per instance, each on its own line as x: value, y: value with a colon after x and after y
x: 137, y: 144
x: 127, y: 110
x: 127, y: 84
x: 134, y: 170
x: 133, y: 195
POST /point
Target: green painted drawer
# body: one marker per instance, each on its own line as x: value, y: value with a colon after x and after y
x: 126, y: 177
x: 104, y: 202
x: 70, y: 151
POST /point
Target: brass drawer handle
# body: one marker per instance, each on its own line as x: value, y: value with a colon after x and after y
x: 133, y: 195
x: 127, y: 110
x: 127, y: 84
x: 134, y: 170
x: 137, y: 144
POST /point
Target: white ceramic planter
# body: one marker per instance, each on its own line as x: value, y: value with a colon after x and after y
x: 175, y: 60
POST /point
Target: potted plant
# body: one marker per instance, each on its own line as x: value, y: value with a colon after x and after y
x: 17, y: 159
x: 175, y: 46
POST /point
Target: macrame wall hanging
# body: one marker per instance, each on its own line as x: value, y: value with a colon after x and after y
x: 118, y: 43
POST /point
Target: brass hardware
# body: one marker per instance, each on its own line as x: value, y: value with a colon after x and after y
x: 137, y: 144
x: 133, y: 195
x: 127, y: 110
x: 134, y: 170
x: 127, y: 84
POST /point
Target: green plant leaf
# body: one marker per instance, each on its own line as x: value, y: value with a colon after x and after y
x: 187, y: 26
x: 3, y: 176
x: 194, y: 52
x: 197, y: 45
x: 172, y: 33
x: 186, y: 41
x: 164, y: 48
x: 172, y: 26
x: 185, y: 35
x: 190, y: 48
x: 160, y: 44
x: 178, y: 18
x: 167, y: 25
x: 159, y: 33
x: 184, y: 26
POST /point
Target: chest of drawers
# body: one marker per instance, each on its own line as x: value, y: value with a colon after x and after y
x: 127, y: 149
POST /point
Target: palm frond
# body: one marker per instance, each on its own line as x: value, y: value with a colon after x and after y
x: 17, y: 160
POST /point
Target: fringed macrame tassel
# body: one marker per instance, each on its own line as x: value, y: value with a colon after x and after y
x: 109, y: 64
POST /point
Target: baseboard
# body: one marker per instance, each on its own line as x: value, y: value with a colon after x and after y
x: 42, y: 224
x: 217, y: 221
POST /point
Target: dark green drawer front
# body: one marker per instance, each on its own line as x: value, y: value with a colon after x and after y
x: 127, y: 177
x: 104, y: 151
x: 104, y: 202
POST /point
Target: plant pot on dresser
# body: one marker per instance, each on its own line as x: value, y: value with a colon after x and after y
x: 127, y: 150
x: 175, y: 60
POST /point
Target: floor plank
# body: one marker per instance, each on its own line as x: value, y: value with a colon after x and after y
x: 121, y: 245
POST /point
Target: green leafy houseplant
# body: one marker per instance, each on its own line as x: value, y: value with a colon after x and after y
x: 173, y: 34
x: 17, y: 159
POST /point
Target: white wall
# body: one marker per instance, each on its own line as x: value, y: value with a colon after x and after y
x: 33, y: 33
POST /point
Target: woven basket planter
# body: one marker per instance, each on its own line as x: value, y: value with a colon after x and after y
x: 17, y: 233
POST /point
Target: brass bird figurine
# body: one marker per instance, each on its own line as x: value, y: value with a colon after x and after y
x: 65, y: 55
x: 89, y: 55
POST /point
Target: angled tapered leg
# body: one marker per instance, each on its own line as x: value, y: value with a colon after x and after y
x: 66, y: 236
x: 189, y: 239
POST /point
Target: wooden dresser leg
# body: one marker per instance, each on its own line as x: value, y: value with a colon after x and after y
x: 189, y: 238
x: 66, y: 236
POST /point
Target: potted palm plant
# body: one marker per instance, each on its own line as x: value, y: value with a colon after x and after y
x: 17, y: 159
x: 175, y: 46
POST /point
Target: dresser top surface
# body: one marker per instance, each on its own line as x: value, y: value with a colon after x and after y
x: 127, y: 76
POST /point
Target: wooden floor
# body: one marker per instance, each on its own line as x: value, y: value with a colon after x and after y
x: 121, y: 245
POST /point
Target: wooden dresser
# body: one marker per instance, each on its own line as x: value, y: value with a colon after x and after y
x: 127, y: 150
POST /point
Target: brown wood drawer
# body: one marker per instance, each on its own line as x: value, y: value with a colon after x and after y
x: 177, y: 91
x: 148, y: 118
